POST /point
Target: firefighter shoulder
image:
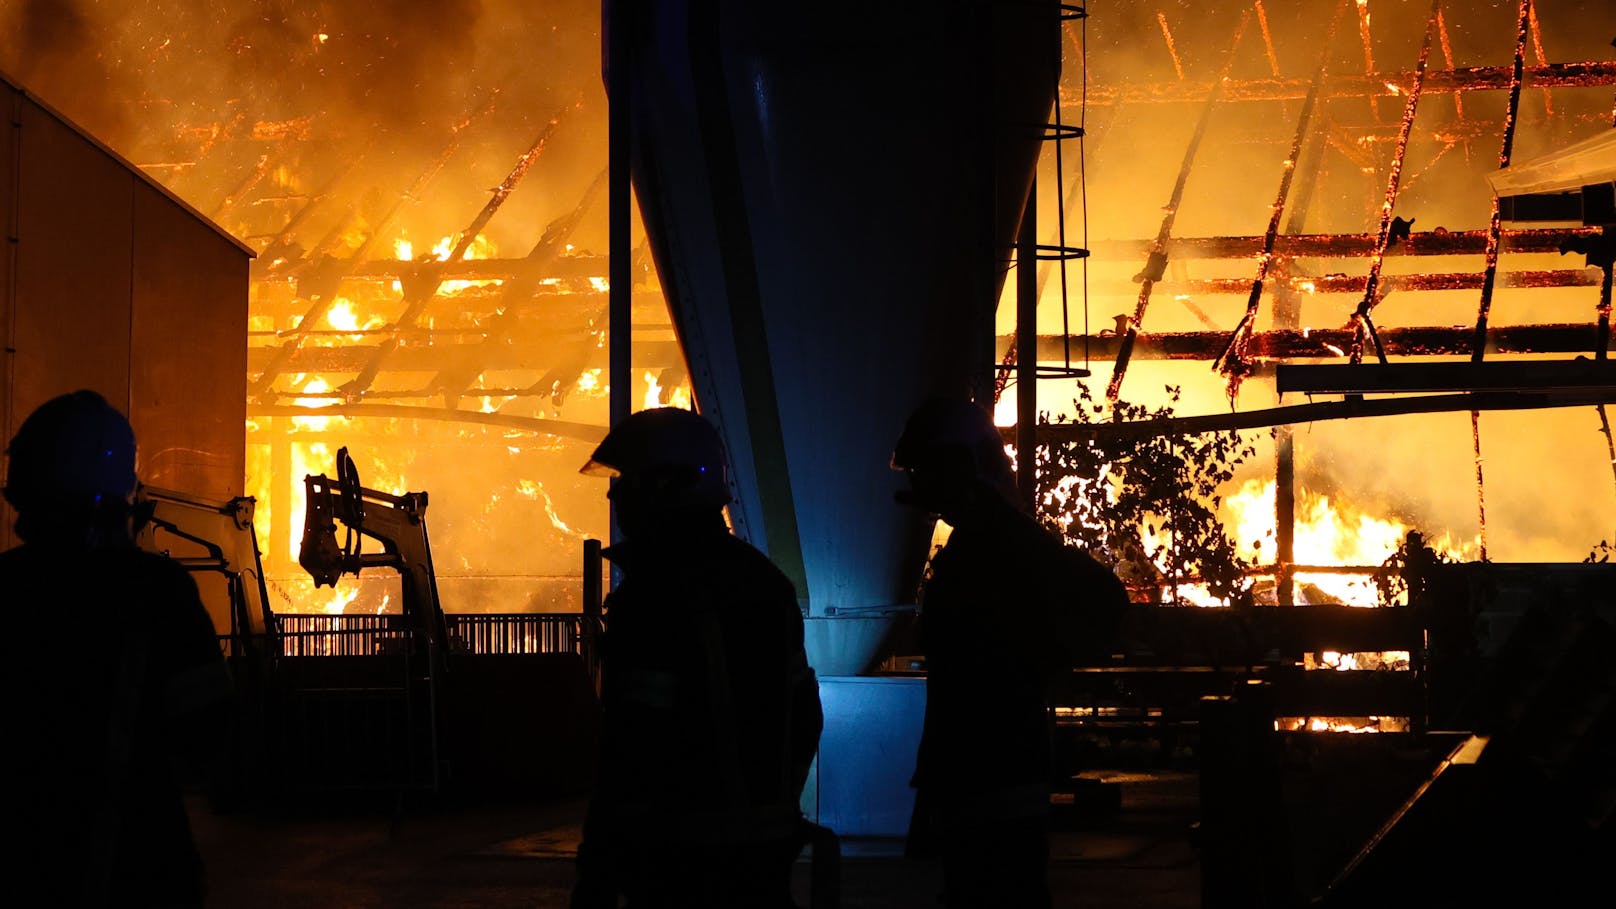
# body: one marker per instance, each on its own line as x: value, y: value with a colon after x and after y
x: 1006, y: 608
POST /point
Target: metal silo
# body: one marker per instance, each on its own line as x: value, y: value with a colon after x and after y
x: 831, y: 191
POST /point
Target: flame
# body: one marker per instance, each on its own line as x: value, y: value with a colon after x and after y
x: 1358, y: 724
x: 532, y: 489
x: 341, y: 315
x: 600, y: 284
x: 1394, y: 660
x: 1327, y: 533
x: 337, y: 600
x: 313, y: 386
x: 403, y: 250
x: 677, y: 396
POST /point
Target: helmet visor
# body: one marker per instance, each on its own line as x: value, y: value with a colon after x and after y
x: 594, y: 468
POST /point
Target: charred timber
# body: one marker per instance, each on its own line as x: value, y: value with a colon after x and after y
x: 1251, y: 635
x: 437, y: 356
x: 1431, y: 340
x: 1341, y: 283
x: 1350, y: 408
x: 1479, y: 78
x: 1449, y: 243
x: 563, y: 267
x: 582, y: 432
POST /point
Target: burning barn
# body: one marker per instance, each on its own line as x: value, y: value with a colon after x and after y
x: 1287, y: 309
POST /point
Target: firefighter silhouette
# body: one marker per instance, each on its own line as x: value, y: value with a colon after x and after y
x: 711, y: 713
x: 95, y: 723
x: 1006, y: 608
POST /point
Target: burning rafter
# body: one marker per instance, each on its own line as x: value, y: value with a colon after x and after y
x: 1423, y: 243
x: 1156, y: 261
x: 1232, y: 359
x: 1351, y: 408
x: 1368, y: 85
x: 1479, y: 347
x: 1361, y: 318
x: 1426, y: 341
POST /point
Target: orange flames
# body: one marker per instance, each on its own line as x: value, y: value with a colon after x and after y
x: 1328, y: 534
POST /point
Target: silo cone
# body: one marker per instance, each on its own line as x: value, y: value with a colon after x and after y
x: 831, y: 191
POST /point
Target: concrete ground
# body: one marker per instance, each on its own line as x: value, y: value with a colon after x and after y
x: 494, y: 855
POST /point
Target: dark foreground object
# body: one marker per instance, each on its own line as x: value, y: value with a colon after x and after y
x: 496, y: 855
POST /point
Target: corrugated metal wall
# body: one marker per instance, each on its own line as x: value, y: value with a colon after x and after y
x: 108, y: 282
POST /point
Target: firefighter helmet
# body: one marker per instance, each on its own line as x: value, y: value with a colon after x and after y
x: 667, y: 453
x: 956, y: 437
x: 74, y: 451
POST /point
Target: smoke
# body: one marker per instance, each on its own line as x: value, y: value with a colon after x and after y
x: 391, y: 65
x: 56, y: 49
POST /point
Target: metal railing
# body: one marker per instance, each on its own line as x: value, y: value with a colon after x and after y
x: 496, y: 633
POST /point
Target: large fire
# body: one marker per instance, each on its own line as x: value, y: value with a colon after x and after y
x: 1328, y: 534
x: 425, y: 200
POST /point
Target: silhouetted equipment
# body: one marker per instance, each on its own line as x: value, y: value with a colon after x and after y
x: 418, y: 700
x: 421, y: 700
x: 398, y: 522
x: 215, y: 541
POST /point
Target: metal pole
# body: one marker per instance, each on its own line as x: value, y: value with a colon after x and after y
x: 620, y: 219
x: 1027, y: 351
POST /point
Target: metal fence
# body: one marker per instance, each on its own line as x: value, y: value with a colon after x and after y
x: 500, y: 633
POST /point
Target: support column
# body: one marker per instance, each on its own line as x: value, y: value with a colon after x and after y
x: 1027, y: 350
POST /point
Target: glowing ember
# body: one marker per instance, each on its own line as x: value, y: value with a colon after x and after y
x: 1390, y: 660
x: 1341, y: 724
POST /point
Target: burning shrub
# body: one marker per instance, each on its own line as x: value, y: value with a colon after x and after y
x: 1148, y: 507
